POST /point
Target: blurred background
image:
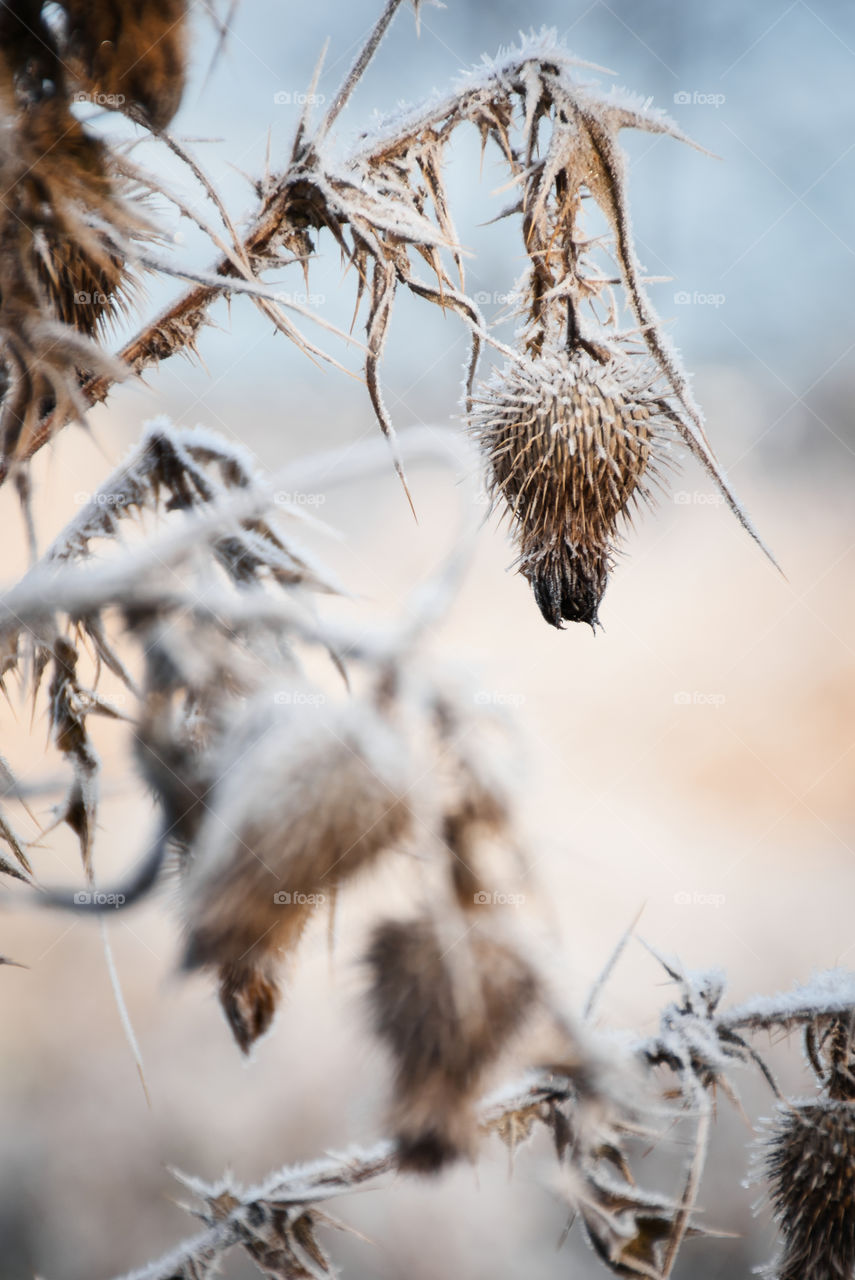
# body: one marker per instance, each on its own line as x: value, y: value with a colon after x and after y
x: 693, y: 758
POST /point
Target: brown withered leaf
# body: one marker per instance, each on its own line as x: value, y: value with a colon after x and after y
x: 629, y: 1229
x: 446, y: 1008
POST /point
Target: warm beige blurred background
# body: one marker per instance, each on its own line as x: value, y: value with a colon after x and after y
x: 694, y: 757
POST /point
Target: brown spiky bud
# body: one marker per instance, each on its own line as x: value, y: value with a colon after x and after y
x: 570, y: 444
x: 129, y: 54
x: 445, y: 1008
x: 62, y: 222
x: 309, y: 801
x: 809, y: 1161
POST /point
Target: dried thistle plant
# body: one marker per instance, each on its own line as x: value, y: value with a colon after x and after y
x: 575, y: 427
x: 275, y: 792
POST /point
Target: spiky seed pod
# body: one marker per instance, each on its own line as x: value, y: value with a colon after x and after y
x: 129, y: 54
x: 570, y: 444
x: 809, y: 1161
x: 61, y: 274
x: 313, y: 796
x: 54, y: 171
x: 446, y: 1009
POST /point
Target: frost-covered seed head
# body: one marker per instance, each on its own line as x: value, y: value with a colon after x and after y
x: 809, y: 1162
x: 570, y: 444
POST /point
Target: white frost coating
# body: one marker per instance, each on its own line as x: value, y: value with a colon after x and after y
x: 828, y: 991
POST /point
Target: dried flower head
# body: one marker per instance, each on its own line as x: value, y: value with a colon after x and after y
x: 129, y: 55
x: 62, y: 271
x: 309, y: 795
x: 446, y: 1008
x: 571, y: 443
x: 809, y: 1161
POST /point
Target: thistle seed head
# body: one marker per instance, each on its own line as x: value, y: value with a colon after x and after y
x: 129, y: 55
x: 570, y: 443
x: 62, y: 275
x: 809, y: 1161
